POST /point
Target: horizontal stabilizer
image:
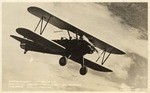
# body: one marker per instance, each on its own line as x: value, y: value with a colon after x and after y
x: 40, y: 40
x: 18, y: 38
x: 32, y: 46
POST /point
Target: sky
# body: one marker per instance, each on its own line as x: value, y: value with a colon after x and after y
x: 25, y: 71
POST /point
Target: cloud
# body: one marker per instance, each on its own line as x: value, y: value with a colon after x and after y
x: 31, y: 59
x: 129, y: 71
x: 138, y: 71
x: 123, y: 86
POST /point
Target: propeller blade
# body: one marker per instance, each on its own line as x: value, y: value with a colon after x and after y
x: 85, y: 38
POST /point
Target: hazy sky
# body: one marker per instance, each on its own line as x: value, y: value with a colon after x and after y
x: 129, y: 71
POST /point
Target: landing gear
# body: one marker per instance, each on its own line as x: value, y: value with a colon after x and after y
x: 23, y: 46
x: 83, y: 70
x: 63, y: 61
x: 25, y: 51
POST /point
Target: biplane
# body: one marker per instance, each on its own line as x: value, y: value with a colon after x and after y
x: 69, y: 48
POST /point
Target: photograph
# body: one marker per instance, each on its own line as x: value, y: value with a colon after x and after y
x: 74, y: 46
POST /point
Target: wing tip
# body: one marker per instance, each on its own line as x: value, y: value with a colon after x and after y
x: 13, y: 36
x: 120, y: 52
x: 32, y: 9
x: 20, y: 30
x: 107, y: 70
x: 123, y: 52
x: 17, y: 38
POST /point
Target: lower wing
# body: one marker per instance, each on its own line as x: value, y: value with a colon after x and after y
x: 95, y: 66
x: 90, y: 64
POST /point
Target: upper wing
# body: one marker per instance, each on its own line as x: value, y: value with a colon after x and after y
x: 50, y: 45
x: 64, y: 25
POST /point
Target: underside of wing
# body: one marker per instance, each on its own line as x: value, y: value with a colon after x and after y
x: 95, y: 66
x: 104, y: 46
x: 64, y: 25
x: 43, y: 42
x: 90, y: 64
x: 53, y: 19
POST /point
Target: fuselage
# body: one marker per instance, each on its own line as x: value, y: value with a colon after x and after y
x: 76, y: 47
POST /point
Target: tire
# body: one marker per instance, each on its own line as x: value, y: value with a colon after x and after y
x: 83, y: 70
x: 63, y: 61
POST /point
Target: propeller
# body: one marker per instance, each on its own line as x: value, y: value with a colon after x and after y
x: 85, y: 38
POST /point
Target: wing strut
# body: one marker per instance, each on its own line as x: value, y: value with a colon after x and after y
x: 41, y: 21
x: 38, y: 24
x: 76, y: 34
x: 104, y: 59
x: 69, y: 35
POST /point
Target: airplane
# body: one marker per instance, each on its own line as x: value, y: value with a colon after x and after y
x: 69, y: 48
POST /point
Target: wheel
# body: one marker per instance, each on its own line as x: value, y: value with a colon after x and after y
x: 25, y: 52
x: 83, y: 70
x: 63, y: 61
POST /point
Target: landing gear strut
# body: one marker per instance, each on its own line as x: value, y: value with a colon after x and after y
x: 63, y: 61
x: 83, y: 69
